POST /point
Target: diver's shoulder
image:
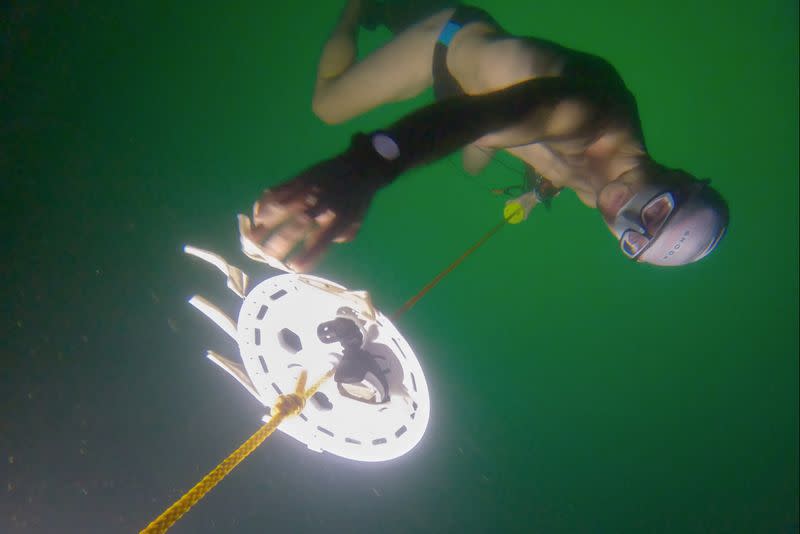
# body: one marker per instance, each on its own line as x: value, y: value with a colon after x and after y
x: 591, y: 67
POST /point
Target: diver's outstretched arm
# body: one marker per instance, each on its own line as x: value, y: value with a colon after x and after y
x: 399, y: 70
x: 533, y: 111
x: 328, y: 201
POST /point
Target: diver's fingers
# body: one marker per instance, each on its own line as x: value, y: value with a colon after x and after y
x: 325, y: 221
x: 349, y: 233
x: 317, y: 243
x: 269, y: 214
x: 287, y: 237
x: 325, y: 218
x: 282, y: 193
x: 274, y: 208
x: 350, y: 229
x: 256, y: 234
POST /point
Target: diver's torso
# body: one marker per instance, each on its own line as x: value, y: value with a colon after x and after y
x: 484, y: 61
x: 583, y: 166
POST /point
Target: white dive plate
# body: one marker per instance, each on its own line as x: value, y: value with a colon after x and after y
x: 277, y: 336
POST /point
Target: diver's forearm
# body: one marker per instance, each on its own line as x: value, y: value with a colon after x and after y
x: 437, y: 130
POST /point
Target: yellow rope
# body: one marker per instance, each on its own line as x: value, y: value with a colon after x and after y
x: 287, y: 406
x: 514, y: 212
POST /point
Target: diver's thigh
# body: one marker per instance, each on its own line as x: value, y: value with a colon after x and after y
x: 399, y: 70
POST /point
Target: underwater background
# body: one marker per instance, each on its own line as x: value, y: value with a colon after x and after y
x: 572, y: 391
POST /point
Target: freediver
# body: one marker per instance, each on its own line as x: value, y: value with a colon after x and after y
x: 357, y: 366
x: 565, y: 113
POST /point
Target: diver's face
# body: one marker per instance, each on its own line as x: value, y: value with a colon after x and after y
x: 614, y: 195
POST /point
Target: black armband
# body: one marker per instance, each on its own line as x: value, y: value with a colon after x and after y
x: 377, y: 156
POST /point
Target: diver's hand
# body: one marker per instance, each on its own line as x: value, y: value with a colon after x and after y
x: 297, y: 221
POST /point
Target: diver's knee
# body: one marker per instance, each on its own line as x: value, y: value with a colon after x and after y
x: 322, y: 112
x: 322, y: 107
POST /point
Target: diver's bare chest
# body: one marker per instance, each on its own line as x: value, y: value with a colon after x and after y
x: 574, y: 163
x: 563, y: 169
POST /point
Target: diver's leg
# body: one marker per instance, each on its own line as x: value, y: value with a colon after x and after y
x: 339, y: 51
x: 399, y: 15
x: 399, y: 70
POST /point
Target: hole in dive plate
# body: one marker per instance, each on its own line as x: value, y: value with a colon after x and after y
x: 276, y: 388
x: 262, y: 312
x: 321, y: 401
x: 325, y: 431
x: 353, y: 441
x: 400, y: 431
x: 277, y: 294
x: 379, y: 441
x: 257, y: 336
x: 415, y: 405
x: 413, y: 381
x: 403, y: 354
x: 290, y: 341
x: 263, y: 364
x: 303, y: 417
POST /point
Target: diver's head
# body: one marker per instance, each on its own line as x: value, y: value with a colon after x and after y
x: 663, y: 216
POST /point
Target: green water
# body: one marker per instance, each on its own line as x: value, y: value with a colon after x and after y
x: 572, y: 391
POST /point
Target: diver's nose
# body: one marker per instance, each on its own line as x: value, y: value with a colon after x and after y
x: 611, y: 199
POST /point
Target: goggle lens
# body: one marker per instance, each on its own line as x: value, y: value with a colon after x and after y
x: 632, y: 243
x: 656, y: 212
